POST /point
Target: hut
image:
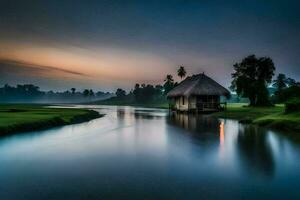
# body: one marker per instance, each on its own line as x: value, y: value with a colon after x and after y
x: 198, y: 93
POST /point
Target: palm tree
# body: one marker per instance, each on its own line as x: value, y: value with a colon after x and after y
x: 169, y: 83
x: 169, y: 78
x: 181, y: 72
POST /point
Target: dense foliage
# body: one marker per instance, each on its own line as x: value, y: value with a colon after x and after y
x: 147, y: 93
x: 286, y: 89
x: 250, y: 79
x: 292, y: 105
x: 287, y: 94
x: 144, y: 93
x: 32, y: 93
x: 169, y: 84
x: 120, y: 93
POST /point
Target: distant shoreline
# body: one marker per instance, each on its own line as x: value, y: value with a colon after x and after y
x: 21, y: 118
x: 16, y: 118
x: 269, y: 117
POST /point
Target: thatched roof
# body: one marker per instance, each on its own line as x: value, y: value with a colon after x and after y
x: 199, y: 84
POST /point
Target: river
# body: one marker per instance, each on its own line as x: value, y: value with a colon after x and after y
x: 139, y: 153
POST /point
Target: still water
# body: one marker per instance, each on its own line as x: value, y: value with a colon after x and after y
x: 137, y: 153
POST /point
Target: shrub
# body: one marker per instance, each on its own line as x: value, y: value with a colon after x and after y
x: 292, y: 106
x: 287, y: 94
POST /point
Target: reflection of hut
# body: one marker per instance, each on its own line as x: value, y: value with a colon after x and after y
x: 195, y: 123
x: 198, y: 93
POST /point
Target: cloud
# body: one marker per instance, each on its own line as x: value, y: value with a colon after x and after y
x: 22, y: 68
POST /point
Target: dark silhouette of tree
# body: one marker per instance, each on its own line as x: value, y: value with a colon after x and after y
x: 86, y: 92
x: 91, y: 93
x: 100, y: 93
x: 286, y: 88
x: 290, y: 93
x: 169, y: 78
x: 169, y: 84
x: 137, y: 92
x: 120, y: 93
x: 181, y: 72
x: 159, y: 90
x: 291, y: 82
x: 147, y: 93
x: 250, y: 79
x: 281, y: 82
x: 28, y: 93
x: 73, y: 90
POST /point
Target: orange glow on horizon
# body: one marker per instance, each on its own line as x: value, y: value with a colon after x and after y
x: 97, y: 64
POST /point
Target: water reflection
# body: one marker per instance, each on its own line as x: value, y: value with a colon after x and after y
x: 222, y: 135
x: 138, y: 153
x: 255, y: 151
x: 195, y: 123
x: 252, y: 143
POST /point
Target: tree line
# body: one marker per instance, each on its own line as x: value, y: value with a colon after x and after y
x: 252, y: 77
x: 32, y: 93
x: 147, y: 93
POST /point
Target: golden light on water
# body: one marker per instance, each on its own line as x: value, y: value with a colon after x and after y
x: 222, y: 137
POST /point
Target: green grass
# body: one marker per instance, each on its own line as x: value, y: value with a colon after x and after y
x: 281, y: 121
x: 273, y: 117
x: 243, y: 112
x: 21, y: 118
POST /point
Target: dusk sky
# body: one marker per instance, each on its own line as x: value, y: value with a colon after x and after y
x: 104, y: 45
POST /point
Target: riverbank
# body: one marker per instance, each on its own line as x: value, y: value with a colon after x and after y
x: 23, y: 118
x: 271, y: 117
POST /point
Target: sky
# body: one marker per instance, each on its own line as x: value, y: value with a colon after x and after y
x: 107, y: 44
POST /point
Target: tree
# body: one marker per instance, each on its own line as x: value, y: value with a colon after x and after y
x: 159, y: 90
x: 250, y: 79
x: 290, y: 93
x: 169, y: 83
x: 169, y: 78
x: 91, y: 93
x: 86, y: 92
x: 181, y: 72
x: 73, y: 90
x: 100, y: 93
x: 120, y: 93
x: 137, y: 92
x: 281, y: 82
x: 291, y: 82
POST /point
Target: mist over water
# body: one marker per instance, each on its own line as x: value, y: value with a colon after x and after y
x: 29, y: 93
x: 138, y: 153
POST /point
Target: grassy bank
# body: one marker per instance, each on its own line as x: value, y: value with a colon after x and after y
x: 272, y: 117
x: 22, y: 118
